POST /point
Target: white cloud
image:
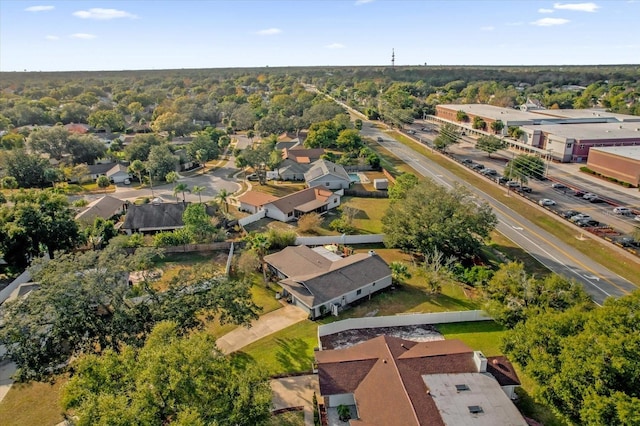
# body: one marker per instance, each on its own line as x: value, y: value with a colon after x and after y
x: 580, y: 7
x: 545, y: 10
x: 361, y: 2
x: 39, y: 8
x: 335, y: 46
x: 550, y: 22
x: 83, y: 36
x: 52, y: 37
x: 488, y: 28
x: 269, y: 31
x: 103, y: 14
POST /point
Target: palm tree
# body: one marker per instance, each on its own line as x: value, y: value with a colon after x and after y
x: 181, y: 187
x: 172, y: 177
x: 223, y: 198
x: 198, y: 190
x: 137, y: 167
x: 201, y: 156
x: 259, y: 243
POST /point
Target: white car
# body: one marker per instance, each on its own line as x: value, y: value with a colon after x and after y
x: 589, y: 196
x: 622, y: 210
x: 546, y: 202
x: 580, y: 216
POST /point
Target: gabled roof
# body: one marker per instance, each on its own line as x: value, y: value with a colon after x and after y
x: 302, y: 155
x: 165, y: 216
x: 322, y: 168
x: 315, y: 279
x: 280, y: 145
x: 290, y: 166
x: 256, y: 198
x: 387, y: 376
x: 291, y: 202
x: 105, y: 207
x: 101, y: 169
x: 118, y: 168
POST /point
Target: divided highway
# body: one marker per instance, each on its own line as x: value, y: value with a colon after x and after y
x: 598, y: 281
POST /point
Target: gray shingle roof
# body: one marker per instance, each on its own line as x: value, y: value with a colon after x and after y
x: 323, y: 168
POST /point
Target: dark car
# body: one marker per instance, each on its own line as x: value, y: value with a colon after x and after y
x: 477, y: 166
x: 524, y: 189
x: 596, y: 200
x: 558, y: 186
x: 587, y: 223
x: 467, y: 161
x: 578, y: 193
x: 569, y: 213
x: 502, y: 180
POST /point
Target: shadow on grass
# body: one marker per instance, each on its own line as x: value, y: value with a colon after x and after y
x: 241, y: 359
x: 518, y: 254
x: 448, y: 302
x: 472, y: 327
x: 293, y: 354
x: 530, y: 408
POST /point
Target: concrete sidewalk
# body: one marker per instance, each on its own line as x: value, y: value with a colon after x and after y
x: 295, y: 392
x: 265, y: 325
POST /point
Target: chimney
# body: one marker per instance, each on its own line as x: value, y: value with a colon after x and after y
x: 481, y: 361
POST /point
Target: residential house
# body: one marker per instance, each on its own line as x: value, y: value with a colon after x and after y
x: 292, y: 206
x: 391, y: 381
x: 116, y: 172
x: 105, y: 207
x: 280, y: 145
x: 156, y: 217
x: 78, y: 128
x: 320, y: 281
x: 302, y: 155
x: 254, y: 201
x: 291, y: 170
x: 328, y: 175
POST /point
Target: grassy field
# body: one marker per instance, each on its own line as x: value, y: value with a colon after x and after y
x: 292, y: 418
x: 32, y: 403
x: 371, y: 210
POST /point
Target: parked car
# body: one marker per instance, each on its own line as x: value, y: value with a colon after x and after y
x: 558, y: 186
x: 477, y: 166
x: 589, y: 195
x: 513, y: 184
x: 411, y: 132
x: 578, y: 193
x: 502, y: 180
x: 467, y: 161
x: 626, y: 241
x: 127, y: 181
x: 596, y: 200
x: 488, y: 172
x: 585, y: 223
x: 569, y: 213
x: 379, y: 139
x: 622, y: 210
x: 580, y: 216
x: 253, y: 177
x: 523, y: 189
x: 546, y: 202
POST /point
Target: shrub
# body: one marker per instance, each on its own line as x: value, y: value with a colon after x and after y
x: 279, y: 239
x: 309, y: 222
x: 170, y: 239
x: 341, y: 225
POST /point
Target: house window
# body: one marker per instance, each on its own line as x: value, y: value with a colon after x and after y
x: 569, y: 145
x: 290, y: 214
x: 359, y: 292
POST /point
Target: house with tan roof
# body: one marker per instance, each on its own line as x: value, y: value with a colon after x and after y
x: 321, y: 282
x: 392, y: 381
x: 254, y: 201
x: 302, y: 155
x: 310, y: 200
x: 327, y: 175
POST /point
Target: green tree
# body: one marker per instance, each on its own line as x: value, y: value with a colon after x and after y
x: 223, y: 198
x: 490, y: 144
x: 399, y: 272
x: 161, y: 161
x: 433, y: 217
x: 171, y: 380
x: 525, y: 166
x: 357, y: 124
x: 349, y: 140
x: 479, y: 123
x: 110, y: 120
x: 402, y: 185
x: 198, y: 223
x: 259, y: 244
x: 513, y: 295
x: 137, y: 167
x: 197, y: 189
x: 462, y: 116
x: 53, y: 141
x: 38, y: 222
x: 9, y: 182
x: 85, y: 148
x: 85, y: 305
x: 585, y: 362
x: 449, y: 135
x: 100, y: 232
x: 103, y: 182
x: 181, y: 187
x: 497, y: 126
x: 174, y: 123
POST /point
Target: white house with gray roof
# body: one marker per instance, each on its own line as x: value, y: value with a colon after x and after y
x: 320, y: 281
x: 327, y: 175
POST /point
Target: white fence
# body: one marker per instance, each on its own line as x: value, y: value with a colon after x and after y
x: 402, y: 320
x: 253, y: 218
x: 340, y: 239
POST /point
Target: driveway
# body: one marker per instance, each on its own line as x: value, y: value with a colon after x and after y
x: 295, y: 392
x: 264, y: 326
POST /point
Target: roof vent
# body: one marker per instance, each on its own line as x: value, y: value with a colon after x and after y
x: 475, y: 409
x: 384, y: 361
x: 372, y: 253
x: 462, y: 388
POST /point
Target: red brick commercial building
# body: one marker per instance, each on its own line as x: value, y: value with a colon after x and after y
x: 620, y: 162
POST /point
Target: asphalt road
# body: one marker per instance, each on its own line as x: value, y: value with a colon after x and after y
x: 598, y: 281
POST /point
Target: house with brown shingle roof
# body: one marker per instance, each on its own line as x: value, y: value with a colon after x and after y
x: 391, y: 381
x: 321, y: 282
x: 302, y: 155
x: 292, y: 206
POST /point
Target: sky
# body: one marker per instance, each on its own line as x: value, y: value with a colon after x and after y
x: 78, y: 35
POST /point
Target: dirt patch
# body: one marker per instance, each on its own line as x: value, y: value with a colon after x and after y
x: 347, y: 338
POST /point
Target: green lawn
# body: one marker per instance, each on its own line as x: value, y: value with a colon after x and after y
x: 34, y: 403
x: 291, y: 418
x: 483, y: 336
x: 371, y: 210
